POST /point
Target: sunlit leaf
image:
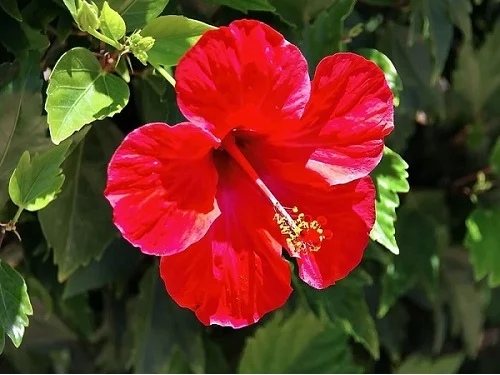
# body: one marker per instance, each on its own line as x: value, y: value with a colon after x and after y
x: 390, y: 178
x: 112, y: 24
x: 80, y: 92
x: 15, y: 305
x: 137, y: 13
x: 173, y: 36
x: 36, y: 182
x: 483, y: 237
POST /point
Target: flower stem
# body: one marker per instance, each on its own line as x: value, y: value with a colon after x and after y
x: 10, y: 226
x: 105, y: 39
x: 2, y: 235
x: 17, y: 215
x: 164, y: 74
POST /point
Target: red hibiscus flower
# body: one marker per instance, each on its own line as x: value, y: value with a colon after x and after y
x: 267, y: 160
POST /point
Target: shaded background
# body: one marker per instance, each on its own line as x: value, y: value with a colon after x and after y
x: 433, y: 308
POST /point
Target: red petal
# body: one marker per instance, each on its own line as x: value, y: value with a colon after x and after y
x: 243, y: 76
x: 352, y: 106
x: 350, y: 213
x: 235, y: 274
x: 349, y: 210
x: 154, y: 181
x: 350, y: 112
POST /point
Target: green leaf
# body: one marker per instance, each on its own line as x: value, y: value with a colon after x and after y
x: 476, y: 78
x: 35, y: 183
x: 137, y: 13
x: 495, y: 157
x: 37, y: 40
x: 324, y: 36
x: 437, y: 18
x: 8, y: 72
x: 80, y: 92
x: 12, y: 9
x: 154, y: 98
x: 72, y: 6
x: 246, y: 5
x: 78, y: 224
x: 112, y: 24
x: 390, y: 178
x: 15, y: 305
x: 393, y: 331
x: 77, y: 314
x: 384, y: 63
x: 416, y: 235
x: 419, y: 364
x: 346, y: 306
x: 380, y: 3
x: 118, y: 262
x: 301, y: 343
x: 20, y: 38
x: 46, y: 328
x: 217, y: 363
x: 460, y: 11
x: 121, y: 69
x: 482, y: 239
x: 159, y: 326
x: 21, y: 126
x: 173, y: 36
x: 300, y: 12
x: 87, y: 16
x: 2, y: 339
x: 465, y: 300
x: 414, y: 64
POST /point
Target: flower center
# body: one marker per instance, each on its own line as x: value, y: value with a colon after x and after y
x: 302, y: 233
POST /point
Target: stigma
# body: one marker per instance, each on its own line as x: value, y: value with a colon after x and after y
x: 302, y: 233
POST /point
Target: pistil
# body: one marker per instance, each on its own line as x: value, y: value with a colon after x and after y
x: 303, y: 234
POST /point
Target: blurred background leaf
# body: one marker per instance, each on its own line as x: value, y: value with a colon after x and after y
x: 99, y: 306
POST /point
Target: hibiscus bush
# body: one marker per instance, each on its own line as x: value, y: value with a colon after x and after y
x: 249, y: 186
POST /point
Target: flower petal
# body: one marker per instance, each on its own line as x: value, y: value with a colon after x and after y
x: 351, y: 106
x: 341, y: 134
x: 350, y: 213
x: 245, y: 76
x: 153, y: 186
x: 235, y: 274
x: 349, y: 210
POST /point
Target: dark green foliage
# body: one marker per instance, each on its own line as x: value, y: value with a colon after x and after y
x: 76, y: 297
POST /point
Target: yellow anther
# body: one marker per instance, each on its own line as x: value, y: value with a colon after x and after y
x: 303, y: 234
